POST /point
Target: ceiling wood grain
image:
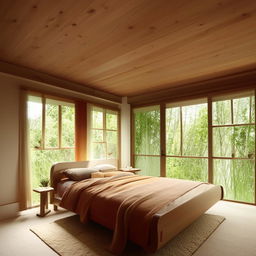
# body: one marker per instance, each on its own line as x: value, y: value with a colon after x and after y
x: 131, y: 47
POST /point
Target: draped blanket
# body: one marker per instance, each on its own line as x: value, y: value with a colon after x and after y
x: 124, y: 203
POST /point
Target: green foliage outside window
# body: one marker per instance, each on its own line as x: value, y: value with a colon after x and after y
x: 187, y: 168
x: 103, y: 133
x: 52, y: 126
x: 237, y: 176
x: 43, y: 154
x: 190, y: 138
x: 187, y: 138
x: 41, y: 162
x: 147, y: 140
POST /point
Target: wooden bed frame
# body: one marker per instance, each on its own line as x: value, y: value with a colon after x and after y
x: 165, y: 225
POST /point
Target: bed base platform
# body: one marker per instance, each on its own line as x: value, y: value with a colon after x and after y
x: 168, y: 224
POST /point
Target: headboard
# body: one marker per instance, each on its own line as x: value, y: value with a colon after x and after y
x: 56, y: 169
x: 57, y: 175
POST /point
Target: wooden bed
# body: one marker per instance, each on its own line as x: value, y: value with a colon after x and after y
x: 56, y: 174
x: 166, y: 223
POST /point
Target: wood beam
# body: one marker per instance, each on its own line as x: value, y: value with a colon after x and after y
x: 242, y: 80
x: 36, y: 76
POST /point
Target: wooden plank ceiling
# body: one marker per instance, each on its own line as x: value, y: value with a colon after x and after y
x: 129, y: 47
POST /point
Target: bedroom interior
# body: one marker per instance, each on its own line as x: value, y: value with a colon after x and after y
x: 97, y: 91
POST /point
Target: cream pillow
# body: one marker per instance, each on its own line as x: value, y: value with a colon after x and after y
x: 106, y: 174
x: 97, y: 175
x: 105, y: 167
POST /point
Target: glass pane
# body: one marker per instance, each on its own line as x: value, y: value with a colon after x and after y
x: 41, y: 162
x: 98, y: 151
x: 51, y: 126
x: 112, y: 151
x: 252, y: 109
x: 147, y: 131
x: 97, y: 117
x: 173, y: 131
x: 111, y: 144
x: 150, y: 166
x: 221, y: 112
x: 236, y: 177
x: 111, y: 120
x: 195, y: 130
x: 97, y: 136
x: 243, y: 140
x: 35, y: 121
x: 234, y: 141
x: 187, y: 168
x: 241, y: 110
x: 68, y: 126
x: 222, y: 141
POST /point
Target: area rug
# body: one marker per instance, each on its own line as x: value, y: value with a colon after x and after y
x: 68, y: 236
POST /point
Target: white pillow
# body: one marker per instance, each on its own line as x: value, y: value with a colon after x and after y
x: 105, y: 167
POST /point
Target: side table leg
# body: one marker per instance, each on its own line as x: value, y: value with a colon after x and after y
x: 43, y: 204
x: 46, y: 201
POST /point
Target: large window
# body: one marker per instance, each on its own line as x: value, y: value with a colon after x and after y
x: 187, y: 140
x: 51, y: 136
x: 234, y: 146
x: 103, y: 133
x: 147, y: 140
x: 211, y: 139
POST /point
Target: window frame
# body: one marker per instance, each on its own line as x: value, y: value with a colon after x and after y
x: 157, y: 107
x: 44, y: 98
x: 104, y: 129
x: 180, y: 106
x: 240, y: 93
x: 232, y: 124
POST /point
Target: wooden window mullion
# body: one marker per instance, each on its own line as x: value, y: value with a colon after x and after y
x: 162, y: 140
x: 232, y: 121
x: 104, y: 131
x: 250, y: 111
x: 254, y: 149
x: 132, y: 134
x: 232, y: 111
x: 210, y: 142
x: 60, y: 125
x: 43, y: 122
x: 181, y: 133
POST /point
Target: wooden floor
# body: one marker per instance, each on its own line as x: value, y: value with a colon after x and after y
x: 235, y: 237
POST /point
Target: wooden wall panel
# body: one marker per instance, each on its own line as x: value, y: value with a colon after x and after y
x: 81, y: 130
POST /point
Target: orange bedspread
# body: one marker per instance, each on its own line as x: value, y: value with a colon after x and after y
x: 124, y: 203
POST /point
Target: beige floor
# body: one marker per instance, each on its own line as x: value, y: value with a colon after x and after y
x: 235, y: 237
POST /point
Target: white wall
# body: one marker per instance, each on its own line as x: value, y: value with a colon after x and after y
x: 9, y: 140
x: 125, y: 133
x: 9, y: 137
